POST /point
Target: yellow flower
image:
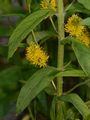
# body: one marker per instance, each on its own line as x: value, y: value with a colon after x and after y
x: 48, y: 4
x: 85, y: 38
x: 73, y: 27
x: 79, y: 31
x: 36, y: 55
x: 44, y: 4
x: 53, y: 4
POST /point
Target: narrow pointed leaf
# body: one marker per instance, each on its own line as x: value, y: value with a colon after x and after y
x: 83, y: 55
x: 53, y: 109
x: 77, y: 102
x: 25, y: 27
x: 85, y: 3
x: 73, y: 73
x: 35, y: 84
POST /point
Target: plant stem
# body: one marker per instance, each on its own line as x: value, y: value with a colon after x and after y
x: 29, y: 9
x: 60, y: 59
x: 54, y: 27
x: 30, y: 113
x: 60, y: 46
x: 34, y: 37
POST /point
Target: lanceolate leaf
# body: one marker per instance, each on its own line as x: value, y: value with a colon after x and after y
x: 52, y: 109
x: 35, y: 84
x: 85, y: 3
x: 25, y: 27
x: 73, y: 73
x: 77, y: 102
x: 76, y: 8
x: 83, y: 55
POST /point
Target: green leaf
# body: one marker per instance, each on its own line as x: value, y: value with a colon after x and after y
x: 61, y: 113
x: 87, y: 118
x: 70, y: 114
x: 86, y: 22
x: 35, y: 84
x: 42, y: 103
x: 25, y: 27
x: 53, y: 109
x: 83, y: 55
x: 72, y: 73
x: 77, y: 102
x: 85, y: 3
x: 76, y: 7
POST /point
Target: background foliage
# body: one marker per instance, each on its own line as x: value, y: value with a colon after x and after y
x: 38, y: 95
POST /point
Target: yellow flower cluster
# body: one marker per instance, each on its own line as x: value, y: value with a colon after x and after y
x: 53, y: 4
x: 85, y: 38
x: 48, y: 4
x: 74, y: 28
x: 36, y: 55
x: 44, y: 4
